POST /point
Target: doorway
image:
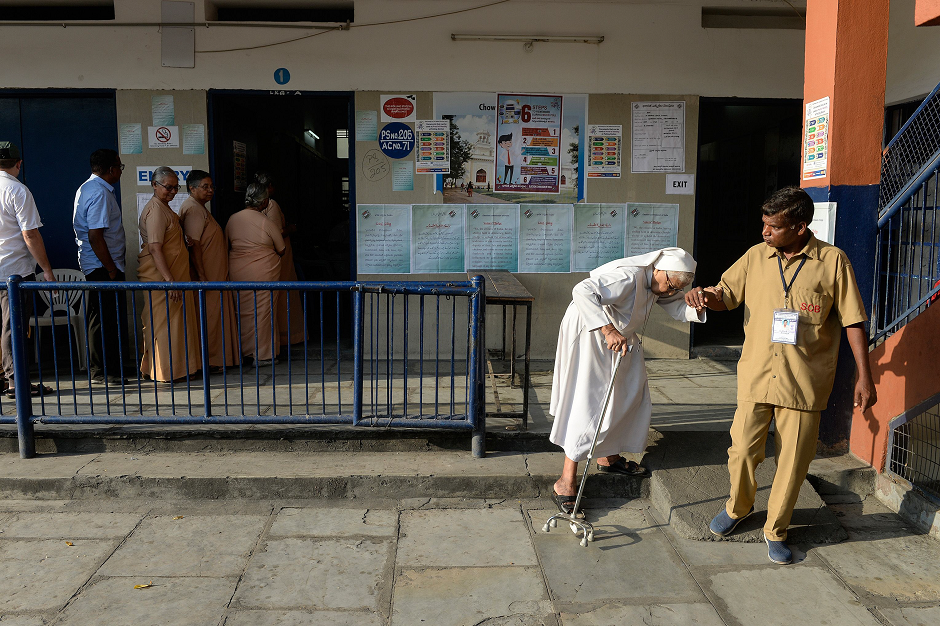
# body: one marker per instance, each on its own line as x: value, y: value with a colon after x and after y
x: 747, y: 150
x: 302, y: 139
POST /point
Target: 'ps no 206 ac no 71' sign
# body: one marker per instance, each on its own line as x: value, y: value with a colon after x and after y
x: 396, y: 140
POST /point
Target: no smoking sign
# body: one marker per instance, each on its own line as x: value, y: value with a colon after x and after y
x: 163, y: 137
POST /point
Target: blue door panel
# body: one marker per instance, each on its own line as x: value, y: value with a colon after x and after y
x: 58, y: 136
x: 10, y: 120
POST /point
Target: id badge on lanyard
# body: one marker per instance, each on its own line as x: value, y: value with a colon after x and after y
x: 786, y: 320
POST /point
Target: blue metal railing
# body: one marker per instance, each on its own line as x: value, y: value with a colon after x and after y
x: 907, y: 248
x: 380, y: 376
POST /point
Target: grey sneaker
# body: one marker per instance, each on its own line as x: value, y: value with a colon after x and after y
x: 778, y: 552
x: 723, y: 524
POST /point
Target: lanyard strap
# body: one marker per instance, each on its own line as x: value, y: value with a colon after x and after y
x: 786, y: 287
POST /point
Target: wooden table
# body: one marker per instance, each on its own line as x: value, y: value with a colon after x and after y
x: 504, y: 290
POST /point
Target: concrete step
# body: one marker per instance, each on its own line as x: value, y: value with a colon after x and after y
x: 265, y: 475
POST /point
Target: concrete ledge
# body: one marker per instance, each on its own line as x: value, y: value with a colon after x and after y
x: 690, y: 485
x: 912, y: 505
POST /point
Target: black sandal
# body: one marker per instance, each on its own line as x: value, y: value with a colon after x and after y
x: 34, y: 390
x: 565, y: 504
x: 623, y: 466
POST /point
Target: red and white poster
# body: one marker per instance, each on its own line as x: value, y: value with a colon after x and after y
x: 528, y: 143
x: 163, y: 137
x: 399, y: 108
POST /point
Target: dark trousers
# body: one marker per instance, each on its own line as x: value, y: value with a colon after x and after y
x: 107, y: 325
x: 6, y: 336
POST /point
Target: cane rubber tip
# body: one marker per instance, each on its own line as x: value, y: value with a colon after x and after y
x: 546, y: 528
x: 584, y: 542
x: 574, y: 528
x: 590, y: 536
x: 554, y: 523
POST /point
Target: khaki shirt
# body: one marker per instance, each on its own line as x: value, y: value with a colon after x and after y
x: 827, y: 299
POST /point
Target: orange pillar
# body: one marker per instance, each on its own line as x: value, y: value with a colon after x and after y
x: 843, y: 97
x: 927, y: 13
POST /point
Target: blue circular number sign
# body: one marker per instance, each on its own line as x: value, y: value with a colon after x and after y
x: 396, y: 140
x: 281, y: 76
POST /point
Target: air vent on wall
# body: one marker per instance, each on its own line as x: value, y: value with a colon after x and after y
x: 754, y: 18
x: 56, y: 10
x: 317, y: 11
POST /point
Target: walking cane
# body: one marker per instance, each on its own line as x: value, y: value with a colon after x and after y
x: 577, y: 526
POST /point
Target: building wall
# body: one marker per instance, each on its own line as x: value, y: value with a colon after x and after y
x: 904, y: 369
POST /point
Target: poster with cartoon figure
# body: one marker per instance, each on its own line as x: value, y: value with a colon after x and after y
x: 528, y: 137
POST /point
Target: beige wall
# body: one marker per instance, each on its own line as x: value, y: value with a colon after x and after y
x: 665, y: 338
x: 134, y: 107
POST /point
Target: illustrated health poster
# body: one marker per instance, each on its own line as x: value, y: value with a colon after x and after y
x: 432, y: 153
x: 438, y: 239
x: 816, y: 140
x: 473, y: 157
x: 492, y: 237
x: 528, y: 143
x: 545, y: 238
x: 383, y: 235
x: 603, y: 158
x: 597, y: 235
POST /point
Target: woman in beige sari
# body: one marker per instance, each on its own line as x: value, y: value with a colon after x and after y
x: 294, y: 333
x: 255, y: 249
x: 170, y: 327
x: 208, y: 255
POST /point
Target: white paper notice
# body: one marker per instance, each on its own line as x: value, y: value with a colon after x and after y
x: 163, y: 137
x: 545, y: 238
x: 432, y: 151
x: 194, y: 139
x: 383, y: 237
x: 658, y: 137
x: 492, y: 237
x: 163, y: 111
x: 824, y: 221
x: 403, y: 176
x: 603, y: 157
x: 131, y: 139
x: 680, y: 184
x: 367, y: 125
x: 816, y: 139
x: 651, y: 227
x: 438, y: 240
x: 597, y: 235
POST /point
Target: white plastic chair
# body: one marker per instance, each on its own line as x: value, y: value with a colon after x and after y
x: 68, y: 306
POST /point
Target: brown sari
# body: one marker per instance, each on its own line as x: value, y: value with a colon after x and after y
x: 294, y: 333
x: 254, y: 242
x: 170, y: 329
x: 222, y: 336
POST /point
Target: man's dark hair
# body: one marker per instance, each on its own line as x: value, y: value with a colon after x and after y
x: 6, y: 164
x: 792, y: 203
x: 195, y: 177
x: 506, y: 137
x: 103, y: 160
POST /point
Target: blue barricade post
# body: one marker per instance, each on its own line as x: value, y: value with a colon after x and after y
x: 475, y: 387
x: 24, y: 404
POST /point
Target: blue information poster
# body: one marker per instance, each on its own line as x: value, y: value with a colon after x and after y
x: 492, y: 237
x: 597, y: 235
x: 383, y: 236
x: 545, y: 237
x: 438, y: 241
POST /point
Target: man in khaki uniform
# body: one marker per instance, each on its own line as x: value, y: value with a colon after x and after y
x: 799, y: 292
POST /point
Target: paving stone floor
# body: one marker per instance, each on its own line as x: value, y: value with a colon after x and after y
x: 441, y: 562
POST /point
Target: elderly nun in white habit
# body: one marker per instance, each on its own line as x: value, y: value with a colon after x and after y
x: 607, y: 312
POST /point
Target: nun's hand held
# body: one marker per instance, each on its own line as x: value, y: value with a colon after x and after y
x: 615, y: 341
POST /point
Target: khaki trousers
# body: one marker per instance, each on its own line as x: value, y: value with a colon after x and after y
x: 795, y: 438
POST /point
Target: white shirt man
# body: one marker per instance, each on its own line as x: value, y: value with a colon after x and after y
x: 21, y: 246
